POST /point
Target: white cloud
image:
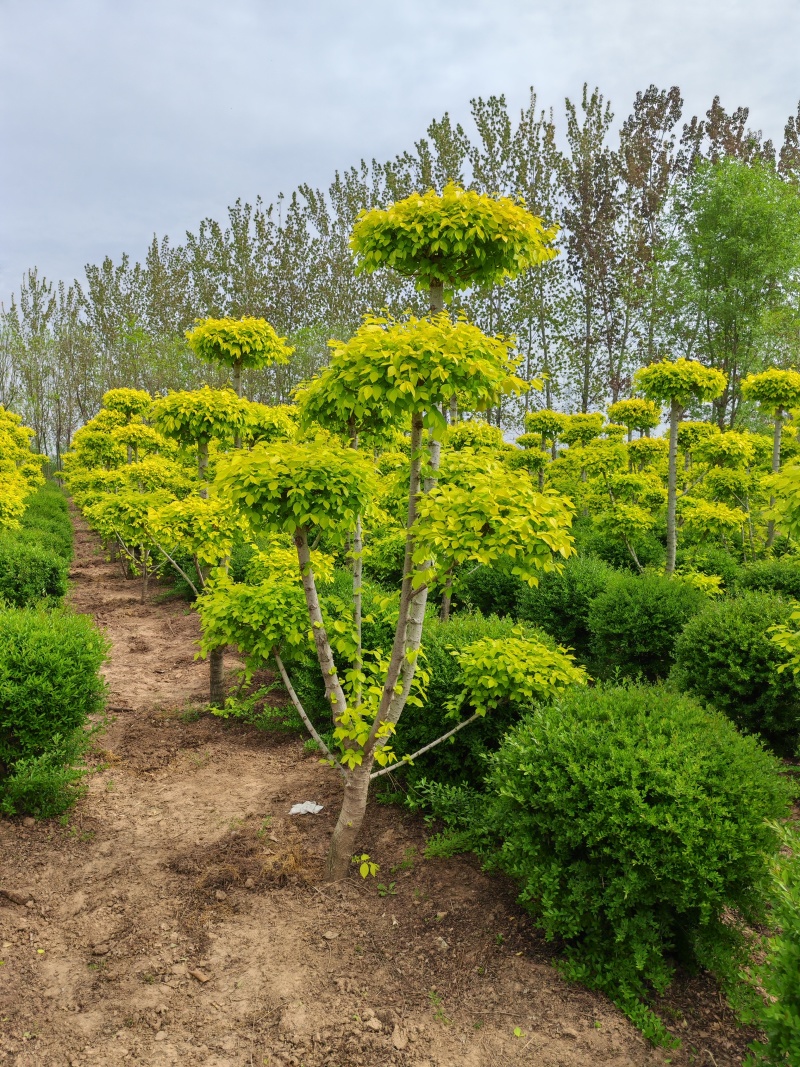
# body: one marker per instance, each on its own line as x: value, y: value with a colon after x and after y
x: 118, y: 120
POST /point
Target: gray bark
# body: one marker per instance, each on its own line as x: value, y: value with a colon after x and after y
x: 672, y: 488
x: 216, y: 674
x: 202, y: 468
x: 776, y: 466
x: 333, y: 687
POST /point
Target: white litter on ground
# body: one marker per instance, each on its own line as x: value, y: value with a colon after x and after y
x: 308, y: 807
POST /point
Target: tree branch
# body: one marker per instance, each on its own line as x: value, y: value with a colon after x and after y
x: 301, y: 711
x: 178, y: 568
x: 427, y: 748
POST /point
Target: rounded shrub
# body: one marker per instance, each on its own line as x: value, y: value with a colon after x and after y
x: 635, y: 623
x: 591, y: 539
x: 29, y: 573
x: 725, y: 656
x: 711, y: 559
x: 461, y: 759
x: 489, y: 590
x: 560, y: 603
x: 634, y: 820
x: 773, y: 576
x: 49, y: 686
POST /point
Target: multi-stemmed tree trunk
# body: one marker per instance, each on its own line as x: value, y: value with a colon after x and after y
x: 405, y: 650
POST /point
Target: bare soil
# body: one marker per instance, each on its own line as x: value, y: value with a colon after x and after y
x: 177, y: 916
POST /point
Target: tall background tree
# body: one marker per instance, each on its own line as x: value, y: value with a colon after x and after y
x: 677, y: 237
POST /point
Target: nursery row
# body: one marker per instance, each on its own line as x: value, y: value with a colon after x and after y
x: 49, y: 656
x: 346, y: 541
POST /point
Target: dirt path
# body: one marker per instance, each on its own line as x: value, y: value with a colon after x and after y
x: 176, y: 917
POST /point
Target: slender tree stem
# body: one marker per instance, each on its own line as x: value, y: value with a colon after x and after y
x: 395, y: 662
x: 216, y: 672
x: 178, y: 568
x: 776, y: 466
x: 301, y: 711
x: 333, y: 687
x: 202, y: 467
x: 358, y: 570
x: 358, y: 567
x: 672, y: 487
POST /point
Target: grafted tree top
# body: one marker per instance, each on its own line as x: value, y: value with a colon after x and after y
x: 245, y: 342
x: 457, y: 239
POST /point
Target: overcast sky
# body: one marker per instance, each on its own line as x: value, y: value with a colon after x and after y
x: 121, y: 118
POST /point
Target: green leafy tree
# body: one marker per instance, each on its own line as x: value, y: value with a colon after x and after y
x: 194, y: 419
x: 739, y: 254
x: 389, y: 372
x: 549, y: 424
x: 238, y: 343
x: 635, y: 414
x: 776, y: 391
x: 681, y: 384
x: 455, y: 240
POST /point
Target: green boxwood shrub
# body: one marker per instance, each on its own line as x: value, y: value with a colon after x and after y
x: 711, y: 559
x: 773, y: 576
x: 634, y: 822
x: 29, y: 573
x: 462, y: 758
x: 49, y: 686
x: 635, y: 623
x: 46, y: 520
x: 592, y: 540
x: 489, y: 590
x: 778, y: 1014
x: 560, y: 603
x: 725, y: 656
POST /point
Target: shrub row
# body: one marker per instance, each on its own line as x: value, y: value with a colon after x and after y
x: 34, y: 559
x: 649, y: 627
x: 49, y: 664
x: 49, y: 686
x: 636, y: 824
x: 46, y: 521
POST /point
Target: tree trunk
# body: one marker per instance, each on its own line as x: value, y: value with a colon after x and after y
x: 399, y: 676
x: 216, y: 677
x: 144, y: 555
x: 447, y: 596
x: 672, y: 490
x: 437, y: 298
x: 405, y: 590
x: 351, y: 816
x: 237, y: 386
x: 358, y: 567
x: 202, y: 467
x: 333, y: 687
x: 776, y: 466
